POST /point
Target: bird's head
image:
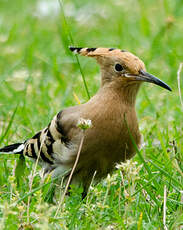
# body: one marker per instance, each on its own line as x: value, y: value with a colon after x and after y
x: 120, y: 66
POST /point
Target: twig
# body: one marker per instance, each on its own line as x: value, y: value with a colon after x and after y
x: 164, y: 209
x: 178, y: 80
x: 70, y: 176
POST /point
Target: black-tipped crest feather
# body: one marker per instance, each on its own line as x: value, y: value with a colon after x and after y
x: 79, y: 50
x: 75, y: 49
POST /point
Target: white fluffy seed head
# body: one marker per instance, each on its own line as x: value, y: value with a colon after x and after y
x: 84, y: 123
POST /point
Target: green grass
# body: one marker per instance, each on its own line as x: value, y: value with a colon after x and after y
x: 38, y: 76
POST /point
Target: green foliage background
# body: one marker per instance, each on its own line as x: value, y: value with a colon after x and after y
x: 39, y: 76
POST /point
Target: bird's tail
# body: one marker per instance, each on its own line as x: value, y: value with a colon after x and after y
x: 13, y: 149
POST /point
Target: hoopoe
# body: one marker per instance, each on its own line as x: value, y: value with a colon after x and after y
x: 113, y: 116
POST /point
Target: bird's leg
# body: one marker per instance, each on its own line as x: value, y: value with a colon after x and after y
x: 84, y: 193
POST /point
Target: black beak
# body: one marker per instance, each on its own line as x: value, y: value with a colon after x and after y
x: 143, y: 76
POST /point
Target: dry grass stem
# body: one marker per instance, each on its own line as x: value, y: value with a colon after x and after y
x: 164, y: 208
x: 89, y: 189
x: 178, y: 80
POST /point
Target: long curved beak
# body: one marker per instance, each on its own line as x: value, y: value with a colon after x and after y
x: 147, y: 77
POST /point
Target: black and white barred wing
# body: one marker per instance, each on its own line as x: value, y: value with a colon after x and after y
x: 50, y: 144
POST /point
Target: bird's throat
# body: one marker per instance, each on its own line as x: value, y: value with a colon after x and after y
x: 129, y: 93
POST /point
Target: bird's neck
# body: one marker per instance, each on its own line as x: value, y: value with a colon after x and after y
x: 125, y: 92
x: 129, y: 93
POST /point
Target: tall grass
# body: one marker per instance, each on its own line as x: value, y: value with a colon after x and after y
x: 39, y: 76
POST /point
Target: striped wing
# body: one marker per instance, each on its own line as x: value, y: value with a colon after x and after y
x: 45, y: 142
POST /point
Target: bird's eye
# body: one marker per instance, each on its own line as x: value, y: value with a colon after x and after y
x: 118, y: 67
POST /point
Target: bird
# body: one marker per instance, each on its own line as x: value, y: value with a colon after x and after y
x: 114, y: 134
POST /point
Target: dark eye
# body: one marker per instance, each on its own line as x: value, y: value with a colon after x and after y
x: 118, y: 67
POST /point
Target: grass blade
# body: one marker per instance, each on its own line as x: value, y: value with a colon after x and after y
x: 72, y: 42
x: 165, y: 173
x: 9, y: 125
